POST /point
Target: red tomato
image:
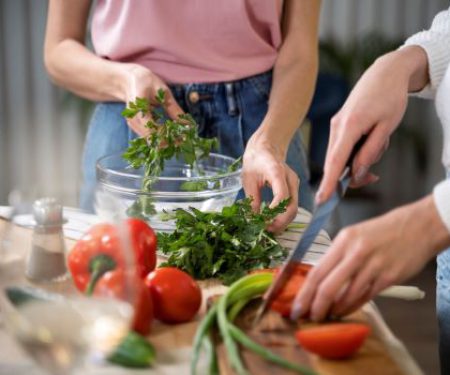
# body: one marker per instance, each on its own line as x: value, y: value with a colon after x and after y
x: 333, y: 341
x: 283, y: 301
x: 176, y: 296
x: 113, y: 284
x: 144, y: 243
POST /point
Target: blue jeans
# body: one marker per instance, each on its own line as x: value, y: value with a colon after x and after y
x: 230, y: 111
x: 443, y: 307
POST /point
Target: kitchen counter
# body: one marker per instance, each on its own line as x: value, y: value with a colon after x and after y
x: 173, y: 343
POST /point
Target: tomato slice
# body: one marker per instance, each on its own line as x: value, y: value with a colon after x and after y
x: 333, y: 341
x: 283, y: 301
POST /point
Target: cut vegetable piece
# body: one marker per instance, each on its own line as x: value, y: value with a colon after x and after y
x: 134, y: 351
x: 283, y: 301
x: 333, y: 341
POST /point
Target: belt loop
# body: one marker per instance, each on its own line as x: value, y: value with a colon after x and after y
x: 231, y: 99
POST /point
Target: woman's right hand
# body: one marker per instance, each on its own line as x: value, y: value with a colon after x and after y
x: 140, y: 82
x: 375, y: 107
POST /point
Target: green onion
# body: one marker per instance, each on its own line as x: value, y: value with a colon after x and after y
x: 243, y: 339
x: 200, y: 334
x: 224, y: 312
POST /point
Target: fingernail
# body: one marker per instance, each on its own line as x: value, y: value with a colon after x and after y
x: 361, y: 173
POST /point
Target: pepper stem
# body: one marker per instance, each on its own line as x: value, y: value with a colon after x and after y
x: 98, y: 266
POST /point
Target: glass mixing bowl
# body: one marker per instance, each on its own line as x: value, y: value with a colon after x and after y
x: 179, y: 186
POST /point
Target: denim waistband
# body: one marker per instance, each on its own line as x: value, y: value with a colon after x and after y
x: 211, y: 88
x: 225, y: 90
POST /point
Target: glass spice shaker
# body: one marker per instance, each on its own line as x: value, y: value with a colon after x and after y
x: 46, y: 260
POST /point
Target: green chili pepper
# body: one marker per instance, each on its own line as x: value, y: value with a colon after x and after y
x: 134, y: 351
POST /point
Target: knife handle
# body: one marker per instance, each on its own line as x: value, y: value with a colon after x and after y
x: 356, y: 149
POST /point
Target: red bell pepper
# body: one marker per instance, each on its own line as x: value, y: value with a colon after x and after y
x: 96, y: 253
x: 144, y: 242
x: 114, y: 284
x: 101, y: 250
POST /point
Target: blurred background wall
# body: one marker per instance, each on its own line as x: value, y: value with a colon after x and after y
x: 42, y: 127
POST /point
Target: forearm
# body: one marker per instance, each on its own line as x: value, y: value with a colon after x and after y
x: 441, y: 197
x: 412, y: 62
x: 434, y: 42
x: 72, y: 66
x: 423, y: 218
x: 294, y: 75
x: 69, y: 62
x: 292, y: 90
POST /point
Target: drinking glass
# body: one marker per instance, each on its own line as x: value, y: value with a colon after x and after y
x: 59, y: 327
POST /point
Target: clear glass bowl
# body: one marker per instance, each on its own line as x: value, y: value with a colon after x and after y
x: 179, y: 186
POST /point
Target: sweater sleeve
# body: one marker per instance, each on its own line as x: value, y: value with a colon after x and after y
x: 441, y: 195
x: 436, y: 43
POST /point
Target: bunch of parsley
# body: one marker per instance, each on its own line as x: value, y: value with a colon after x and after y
x: 167, y: 139
x: 224, y: 245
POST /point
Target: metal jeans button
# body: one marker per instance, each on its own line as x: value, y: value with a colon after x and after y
x: 194, y: 97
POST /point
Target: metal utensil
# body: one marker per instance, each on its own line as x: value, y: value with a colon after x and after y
x: 320, y: 216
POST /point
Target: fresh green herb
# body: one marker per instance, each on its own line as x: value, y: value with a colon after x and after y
x: 234, y: 166
x: 210, y: 183
x: 224, y: 244
x: 297, y: 226
x: 222, y: 315
x: 134, y: 352
x: 194, y: 185
x: 167, y: 139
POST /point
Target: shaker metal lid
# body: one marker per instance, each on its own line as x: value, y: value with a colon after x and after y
x: 48, y: 211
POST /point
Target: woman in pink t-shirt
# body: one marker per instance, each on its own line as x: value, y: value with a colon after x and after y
x: 245, y: 69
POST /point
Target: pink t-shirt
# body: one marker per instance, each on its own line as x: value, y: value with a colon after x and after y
x: 186, y: 41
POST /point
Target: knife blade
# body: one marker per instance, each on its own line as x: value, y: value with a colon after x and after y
x: 320, y: 217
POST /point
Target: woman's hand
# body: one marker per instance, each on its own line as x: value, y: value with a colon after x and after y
x: 375, y: 107
x: 140, y: 82
x: 368, y: 257
x: 263, y: 164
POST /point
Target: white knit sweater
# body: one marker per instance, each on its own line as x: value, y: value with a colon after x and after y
x: 436, y: 43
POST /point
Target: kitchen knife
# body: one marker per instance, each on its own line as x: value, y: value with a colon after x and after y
x: 320, y: 216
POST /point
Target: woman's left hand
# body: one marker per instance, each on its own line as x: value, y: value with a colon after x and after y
x: 264, y: 165
x: 368, y: 257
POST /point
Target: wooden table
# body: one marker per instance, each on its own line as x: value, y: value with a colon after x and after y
x: 382, y: 353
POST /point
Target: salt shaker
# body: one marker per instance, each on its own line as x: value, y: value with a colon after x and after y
x: 46, y: 261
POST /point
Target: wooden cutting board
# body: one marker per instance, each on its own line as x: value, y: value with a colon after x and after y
x: 277, y: 334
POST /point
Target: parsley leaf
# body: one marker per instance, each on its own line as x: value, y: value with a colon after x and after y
x: 167, y: 139
x: 224, y: 245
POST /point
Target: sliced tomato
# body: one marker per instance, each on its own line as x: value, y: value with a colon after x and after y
x: 333, y: 341
x: 283, y: 301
